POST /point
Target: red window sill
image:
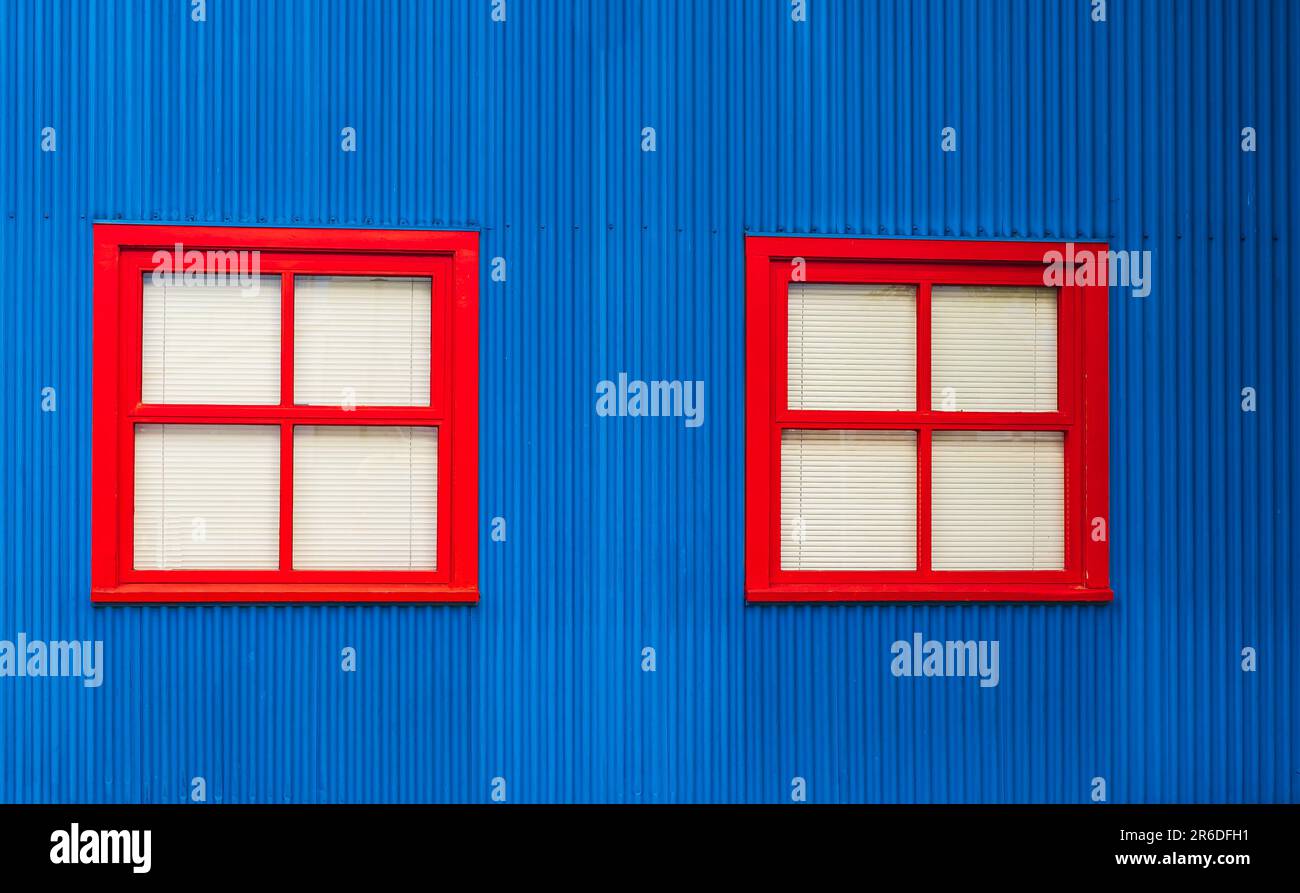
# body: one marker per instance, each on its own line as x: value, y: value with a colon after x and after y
x: 283, y: 593
x: 928, y: 592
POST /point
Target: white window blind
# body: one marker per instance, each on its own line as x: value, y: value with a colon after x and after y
x: 852, y: 347
x: 211, y: 344
x: 993, y: 349
x: 365, y: 497
x: 207, y: 496
x: 361, y: 341
x: 848, y: 500
x: 998, y: 500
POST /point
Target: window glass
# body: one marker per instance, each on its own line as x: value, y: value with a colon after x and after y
x: 361, y: 341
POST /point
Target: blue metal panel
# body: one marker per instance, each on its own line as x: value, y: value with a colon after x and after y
x: 627, y: 533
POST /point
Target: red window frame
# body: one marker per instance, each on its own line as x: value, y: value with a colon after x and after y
x: 123, y: 255
x: 770, y: 267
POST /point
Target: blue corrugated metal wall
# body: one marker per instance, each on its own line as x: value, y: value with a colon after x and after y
x: 627, y: 533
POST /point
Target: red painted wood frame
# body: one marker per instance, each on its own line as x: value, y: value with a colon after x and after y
x: 124, y: 255
x: 770, y: 267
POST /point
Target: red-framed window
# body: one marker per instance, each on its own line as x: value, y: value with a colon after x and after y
x: 284, y: 415
x: 925, y: 421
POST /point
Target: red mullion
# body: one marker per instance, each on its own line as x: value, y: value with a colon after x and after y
x: 923, y: 347
x: 286, y: 497
x: 923, y: 388
x: 286, y: 428
x: 286, y: 340
x: 923, y: 519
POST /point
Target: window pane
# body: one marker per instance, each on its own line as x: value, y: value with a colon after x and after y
x: 994, y: 349
x: 365, y: 497
x: 848, y: 500
x: 852, y: 347
x: 361, y: 341
x: 998, y: 500
x: 207, y: 496
x: 211, y: 343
